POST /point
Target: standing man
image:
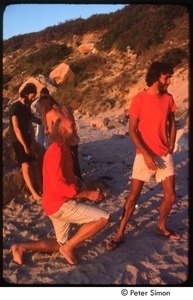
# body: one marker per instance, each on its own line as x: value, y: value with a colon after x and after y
x: 62, y: 194
x: 40, y: 136
x: 22, y: 138
x: 153, y: 131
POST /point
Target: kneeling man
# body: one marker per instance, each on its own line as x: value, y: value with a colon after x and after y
x: 62, y: 194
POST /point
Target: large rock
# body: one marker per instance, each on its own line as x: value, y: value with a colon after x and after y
x: 62, y: 73
x: 86, y: 48
x: 88, y: 43
x: 40, y: 81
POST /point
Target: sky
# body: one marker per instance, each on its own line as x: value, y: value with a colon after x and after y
x: 28, y: 18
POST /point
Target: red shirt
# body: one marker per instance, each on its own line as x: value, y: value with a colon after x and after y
x: 58, y: 178
x: 152, y: 113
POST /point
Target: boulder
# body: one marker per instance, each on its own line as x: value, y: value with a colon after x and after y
x: 89, y: 41
x: 114, y: 124
x: 62, y: 73
x: 86, y: 48
x: 40, y: 81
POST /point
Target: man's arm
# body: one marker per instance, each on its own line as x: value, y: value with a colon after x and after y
x: 82, y: 192
x: 49, y: 122
x: 172, y: 132
x: 90, y: 195
x: 139, y: 144
x: 33, y: 142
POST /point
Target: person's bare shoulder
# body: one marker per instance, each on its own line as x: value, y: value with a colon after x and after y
x: 51, y: 113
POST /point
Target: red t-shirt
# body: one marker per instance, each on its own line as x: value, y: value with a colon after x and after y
x: 58, y: 178
x: 152, y: 112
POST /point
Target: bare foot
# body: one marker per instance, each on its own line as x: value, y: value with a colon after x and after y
x: 68, y: 254
x: 114, y: 242
x: 17, y: 252
x: 168, y: 234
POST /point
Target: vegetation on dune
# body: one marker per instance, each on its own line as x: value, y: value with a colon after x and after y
x: 145, y: 29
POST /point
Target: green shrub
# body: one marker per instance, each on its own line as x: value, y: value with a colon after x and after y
x: 53, y: 53
x: 140, y: 27
x: 6, y: 78
x: 84, y: 68
x: 67, y: 94
x: 15, y: 89
x: 174, y: 56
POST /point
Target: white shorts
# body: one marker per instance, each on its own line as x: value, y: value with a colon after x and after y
x: 77, y: 212
x: 143, y: 173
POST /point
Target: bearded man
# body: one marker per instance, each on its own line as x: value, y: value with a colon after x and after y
x: 152, y: 130
x: 61, y: 201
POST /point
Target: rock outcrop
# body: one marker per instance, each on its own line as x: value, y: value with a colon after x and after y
x: 62, y: 73
x: 40, y: 81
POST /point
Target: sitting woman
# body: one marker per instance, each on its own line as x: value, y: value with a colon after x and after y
x: 51, y: 111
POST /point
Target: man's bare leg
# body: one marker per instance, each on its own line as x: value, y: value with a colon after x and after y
x: 166, y: 205
x: 45, y: 245
x: 129, y: 206
x: 27, y: 178
x: 86, y: 231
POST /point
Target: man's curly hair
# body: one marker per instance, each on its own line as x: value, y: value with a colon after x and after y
x: 155, y: 70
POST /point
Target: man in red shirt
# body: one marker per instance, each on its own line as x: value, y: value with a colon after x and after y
x: 153, y: 131
x: 62, y: 194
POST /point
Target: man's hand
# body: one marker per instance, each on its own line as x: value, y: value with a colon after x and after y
x: 150, y: 162
x: 95, y: 195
